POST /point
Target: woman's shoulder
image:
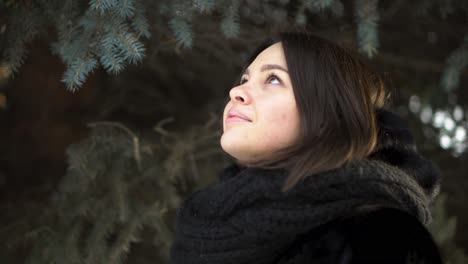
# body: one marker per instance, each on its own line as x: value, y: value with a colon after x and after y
x: 372, y: 236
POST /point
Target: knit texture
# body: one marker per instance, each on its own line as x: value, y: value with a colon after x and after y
x: 245, y: 218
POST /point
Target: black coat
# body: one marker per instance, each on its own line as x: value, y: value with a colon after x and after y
x: 378, y: 236
x: 369, y: 211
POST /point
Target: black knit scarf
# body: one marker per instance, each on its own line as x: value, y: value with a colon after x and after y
x: 245, y: 218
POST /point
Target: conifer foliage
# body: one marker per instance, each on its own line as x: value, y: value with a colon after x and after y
x: 105, y: 32
x: 105, y: 200
x: 120, y: 191
x: 443, y: 229
x: 112, y: 33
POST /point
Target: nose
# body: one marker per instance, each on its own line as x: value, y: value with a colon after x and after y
x: 239, y: 95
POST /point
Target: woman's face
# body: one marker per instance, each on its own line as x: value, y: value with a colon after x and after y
x: 261, y: 116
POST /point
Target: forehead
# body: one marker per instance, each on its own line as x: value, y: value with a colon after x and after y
x: 272, y: 55
x: 273, y: 52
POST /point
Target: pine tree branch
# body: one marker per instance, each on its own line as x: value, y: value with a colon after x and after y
x: 135, y: 139
x: 416, y: 64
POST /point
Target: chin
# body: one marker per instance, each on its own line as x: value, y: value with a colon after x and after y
x: 227, y: 145
x: 234, y: 150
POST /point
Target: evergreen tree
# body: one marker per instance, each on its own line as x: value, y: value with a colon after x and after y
x: 443, y: 229
x: 111, y: 33
x: 120, y: 190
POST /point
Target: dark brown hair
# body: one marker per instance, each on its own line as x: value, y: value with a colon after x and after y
x: 336, y: 95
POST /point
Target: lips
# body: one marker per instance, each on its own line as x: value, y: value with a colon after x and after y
x: 237, y: 115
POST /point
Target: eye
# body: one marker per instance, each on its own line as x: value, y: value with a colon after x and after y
x: 273, y: 77
x: 242, y: 81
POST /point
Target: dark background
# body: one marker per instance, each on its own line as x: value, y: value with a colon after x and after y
x: 39, y: 118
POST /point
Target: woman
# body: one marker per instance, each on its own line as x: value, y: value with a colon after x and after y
x: 322, y: 173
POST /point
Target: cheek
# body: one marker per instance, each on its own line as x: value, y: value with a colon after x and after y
x: 225, y: 113
x: 282, y: 126
x: 225, y: 109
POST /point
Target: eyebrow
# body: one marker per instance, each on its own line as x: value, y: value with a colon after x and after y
x: 267, y: 67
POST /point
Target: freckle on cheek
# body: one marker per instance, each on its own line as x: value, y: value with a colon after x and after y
x: 284, y: 117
